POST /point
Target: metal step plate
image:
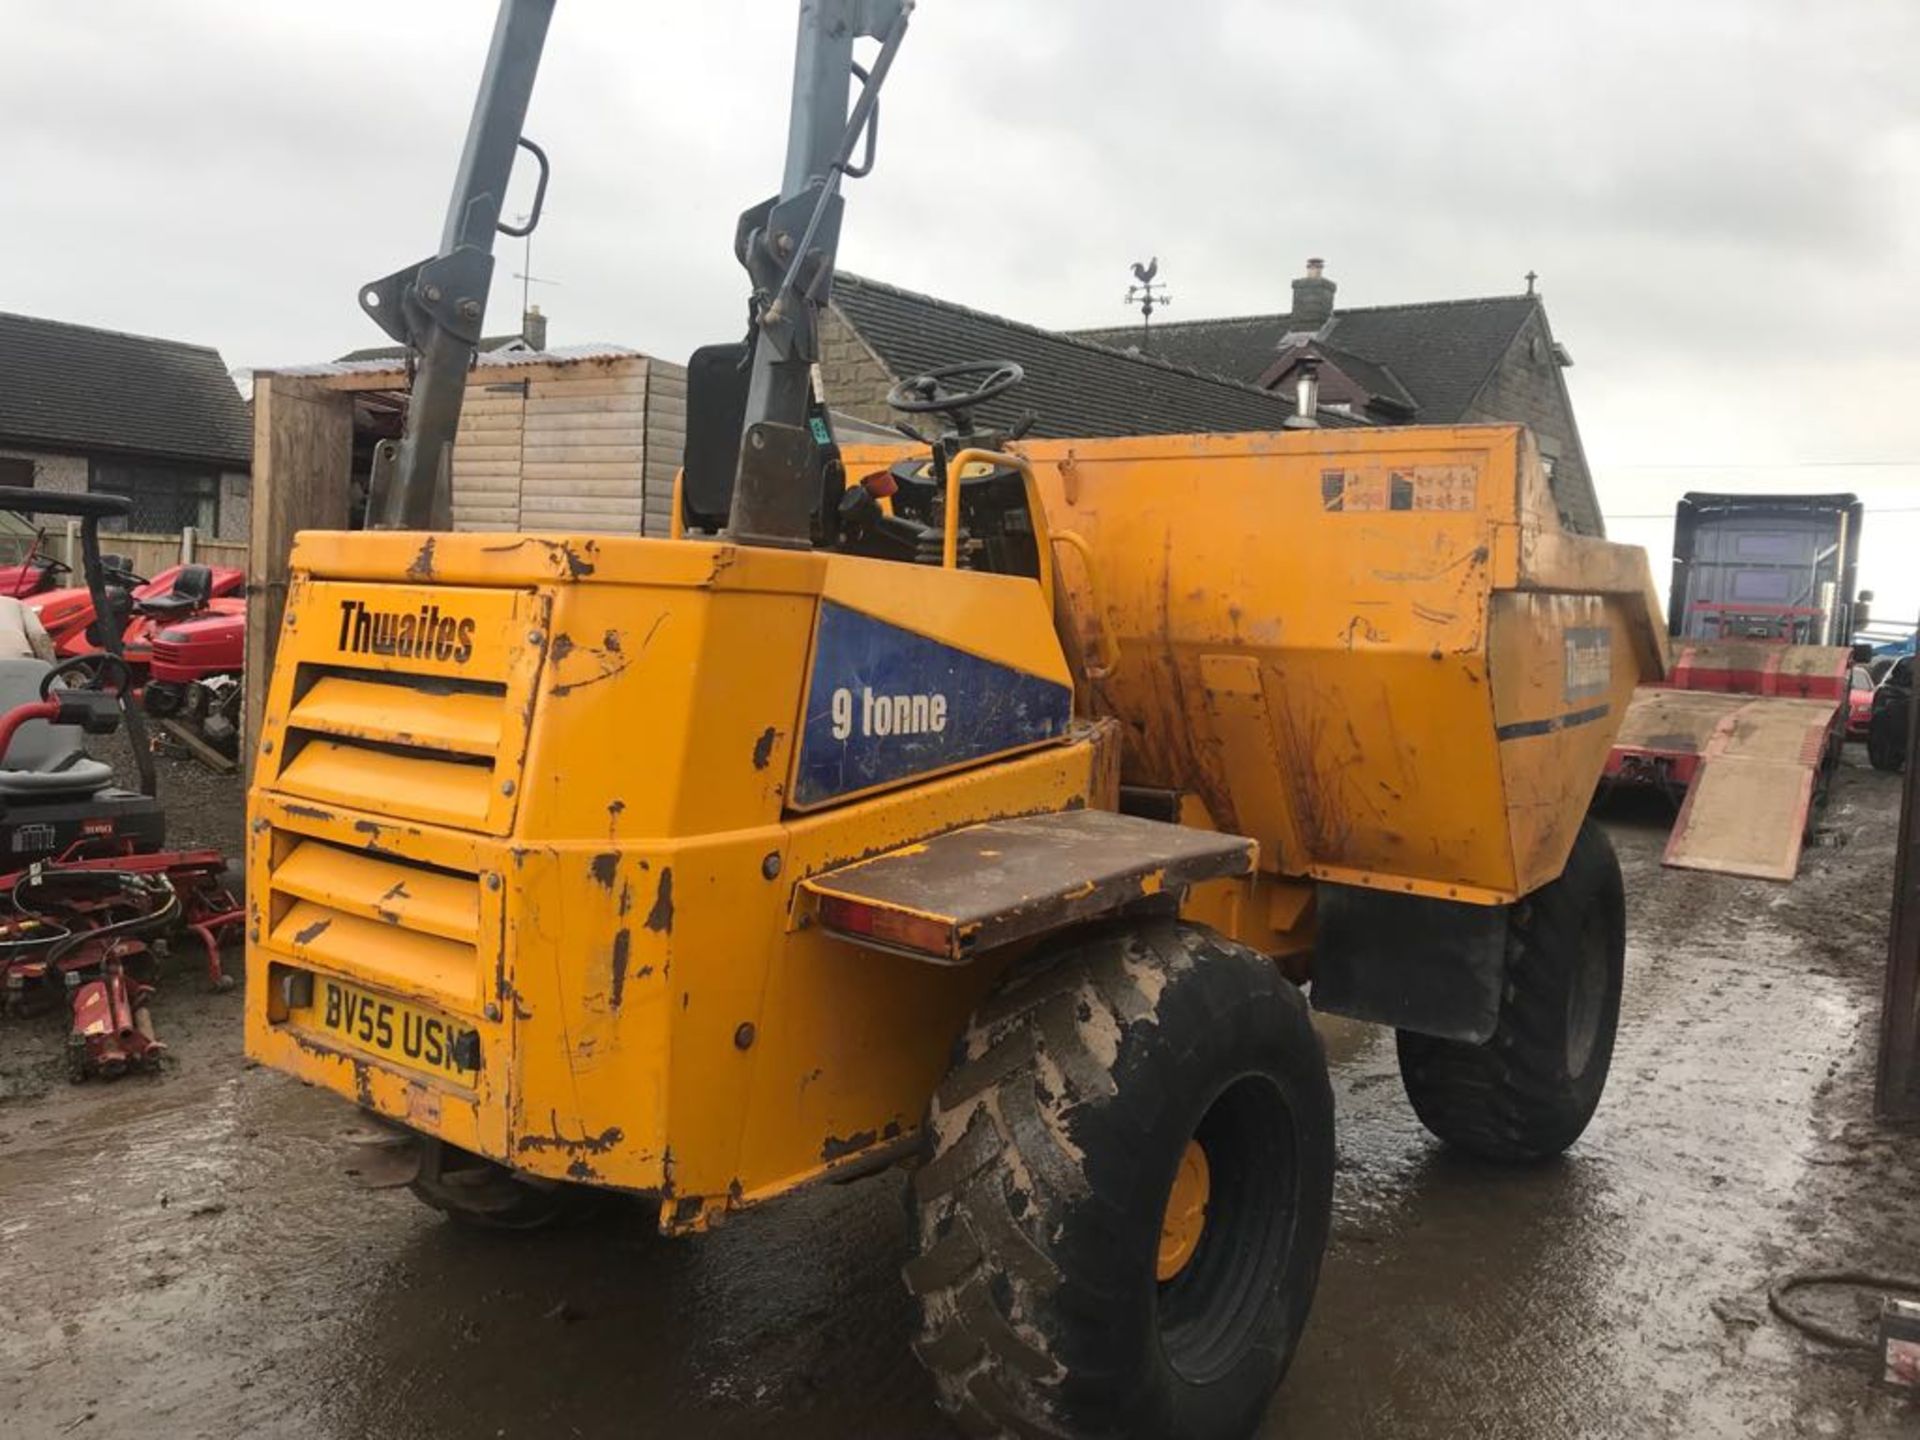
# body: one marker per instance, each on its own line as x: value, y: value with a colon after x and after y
x: 974, y: 889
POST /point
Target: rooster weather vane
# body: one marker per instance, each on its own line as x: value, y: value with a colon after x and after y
x: 1148, y: 293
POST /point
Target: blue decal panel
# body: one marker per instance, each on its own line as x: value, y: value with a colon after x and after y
x: 885, y: 704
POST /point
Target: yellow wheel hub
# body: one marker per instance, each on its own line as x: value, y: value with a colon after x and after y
x: 1185, y: 1220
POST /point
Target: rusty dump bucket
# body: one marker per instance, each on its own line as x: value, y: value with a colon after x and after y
x: 1374, y: 650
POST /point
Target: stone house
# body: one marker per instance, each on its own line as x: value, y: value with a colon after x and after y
x: 159, y: 421
x: 1436, y: 362
x: 874, y: 334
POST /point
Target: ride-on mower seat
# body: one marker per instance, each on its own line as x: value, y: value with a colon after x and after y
x: 191, y: 590
x: 44, y: 760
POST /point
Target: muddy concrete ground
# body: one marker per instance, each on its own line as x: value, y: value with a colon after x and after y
x: 188, y: 1256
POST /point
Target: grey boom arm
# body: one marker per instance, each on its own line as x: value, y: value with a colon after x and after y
x: 787, y: 245
x: 438, y: 307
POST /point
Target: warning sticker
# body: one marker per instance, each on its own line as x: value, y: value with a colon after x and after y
x: 1369, y: 489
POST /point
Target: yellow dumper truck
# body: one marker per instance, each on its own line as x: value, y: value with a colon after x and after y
x: 975, y: 806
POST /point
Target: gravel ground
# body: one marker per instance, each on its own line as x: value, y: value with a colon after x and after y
x: 191, y: 1255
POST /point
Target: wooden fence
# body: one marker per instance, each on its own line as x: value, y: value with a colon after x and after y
x: 149, y: 554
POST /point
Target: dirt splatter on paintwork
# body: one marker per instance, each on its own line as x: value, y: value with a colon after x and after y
x: 312, y: 931
x: 660, y: 917
x: 421, y: 567
x: 597, y: 1144
x: 604, y: 868
x: 763, y: 747
x: 622, y: 954
x: 838, y: 1147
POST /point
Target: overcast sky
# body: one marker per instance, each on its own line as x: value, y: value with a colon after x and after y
x: 1722, y: 197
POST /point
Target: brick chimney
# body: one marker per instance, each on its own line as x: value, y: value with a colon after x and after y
x: 533, y: 328
x: 1312, y: 298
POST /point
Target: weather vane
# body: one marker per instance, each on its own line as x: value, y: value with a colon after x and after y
x: 1148, y: 294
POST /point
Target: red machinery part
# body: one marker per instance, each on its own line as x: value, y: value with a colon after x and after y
x: 1758, y: 667
x: 213, y: 642
x: 66, y: 613
x: 208, y: 907
x: 11, y: 722
x: 112, y: 1029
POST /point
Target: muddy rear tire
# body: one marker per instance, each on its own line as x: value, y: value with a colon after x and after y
x: 1529, y: 1092
x: 481, y: 1195
x: 1076, y: 1099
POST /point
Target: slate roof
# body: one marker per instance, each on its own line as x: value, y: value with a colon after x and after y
x: 1075, y: 386
x: 1440, y: 351
x: 1379, y: 380
x: 1244, y: 346
x: 74, y: 388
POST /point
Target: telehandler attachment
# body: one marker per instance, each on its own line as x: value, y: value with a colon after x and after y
x: 976, y: 806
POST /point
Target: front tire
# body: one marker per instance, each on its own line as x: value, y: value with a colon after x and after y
x: 1529, y: 1091
x: 1080, y: 1270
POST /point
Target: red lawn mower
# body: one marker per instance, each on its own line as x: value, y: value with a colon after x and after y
x: 194, y: 673
x: 139, y: 606
x: 182, y: 634
x: 87, y: 888
x: 36, y: 571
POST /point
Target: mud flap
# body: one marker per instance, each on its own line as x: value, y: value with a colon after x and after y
x: 1434, y: 967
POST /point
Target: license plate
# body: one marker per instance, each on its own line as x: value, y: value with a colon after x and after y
x: 395, y: 1030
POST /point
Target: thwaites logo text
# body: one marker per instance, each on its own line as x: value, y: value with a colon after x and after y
x: 1589, y: 668
x: 423, y: 634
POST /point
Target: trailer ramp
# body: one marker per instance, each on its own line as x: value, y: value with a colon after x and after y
x: 1743, y: 729
x: 1748, y: 809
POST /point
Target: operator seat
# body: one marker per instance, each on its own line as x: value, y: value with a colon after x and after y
x: 44, y: 761
x: 191, y: 590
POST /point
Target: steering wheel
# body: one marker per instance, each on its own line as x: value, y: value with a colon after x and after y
x: 95, y: 667
x: 50, y: 566
x: 928, y: 394
x: 119, y: 570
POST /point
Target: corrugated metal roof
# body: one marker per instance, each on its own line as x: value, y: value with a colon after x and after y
x: 496, y: 360
x: 399, y: 352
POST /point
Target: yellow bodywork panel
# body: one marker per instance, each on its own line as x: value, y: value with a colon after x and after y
x: 571, y: 805
x: 553, y: 814
x: 1344, y: 642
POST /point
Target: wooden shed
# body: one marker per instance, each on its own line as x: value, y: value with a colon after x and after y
x: 584, y: 438
x: 575, y: 439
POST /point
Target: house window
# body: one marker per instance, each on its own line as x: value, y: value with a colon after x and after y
x: 166, y: 498
x: 16, y: 470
